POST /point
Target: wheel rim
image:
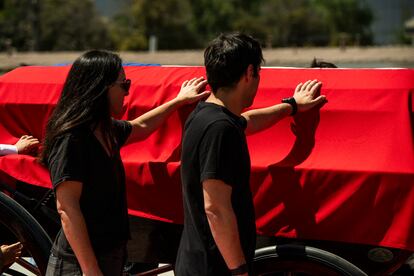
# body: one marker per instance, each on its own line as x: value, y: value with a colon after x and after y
x: 18, y: 225
x: 292, y: 268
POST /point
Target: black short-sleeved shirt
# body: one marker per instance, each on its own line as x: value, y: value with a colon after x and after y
x: 214, y: 147
x: 79, y: 156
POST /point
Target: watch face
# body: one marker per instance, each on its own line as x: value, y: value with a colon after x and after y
x: 288, y: 100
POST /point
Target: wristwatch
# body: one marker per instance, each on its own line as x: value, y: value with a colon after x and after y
x: 242, y: 269
x: 292, y: 102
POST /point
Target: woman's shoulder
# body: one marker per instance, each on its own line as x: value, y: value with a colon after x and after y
x: 120, y: 124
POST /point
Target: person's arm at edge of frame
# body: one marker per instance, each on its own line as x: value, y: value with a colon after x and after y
x: 147, y: 123
x: 24, y: 145
x: 68, y: 194
x: 262, y: 118
x: 222, y: 221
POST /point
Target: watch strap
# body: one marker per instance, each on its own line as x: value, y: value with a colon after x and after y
x: 292, y: 102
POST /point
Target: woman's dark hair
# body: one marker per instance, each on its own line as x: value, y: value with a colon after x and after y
x: 227, y: 57
x: 84, y: 101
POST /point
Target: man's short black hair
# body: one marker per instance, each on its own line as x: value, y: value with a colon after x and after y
x: 227, y: 57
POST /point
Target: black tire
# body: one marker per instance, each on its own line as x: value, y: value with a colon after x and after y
x: 294, y: 259
x: 27, y: 230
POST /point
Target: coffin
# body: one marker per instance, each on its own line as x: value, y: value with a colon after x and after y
x: 343, y: 172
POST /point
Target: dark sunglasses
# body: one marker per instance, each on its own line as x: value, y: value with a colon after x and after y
x: 125, y: 84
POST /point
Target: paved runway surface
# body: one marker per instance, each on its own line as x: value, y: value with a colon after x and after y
x: 396, y: 56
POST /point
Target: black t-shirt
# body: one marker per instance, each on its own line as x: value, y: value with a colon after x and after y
x: 79, y: 156
x: 214, y: 147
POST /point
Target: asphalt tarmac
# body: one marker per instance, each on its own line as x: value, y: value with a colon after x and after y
x: 370, y: 57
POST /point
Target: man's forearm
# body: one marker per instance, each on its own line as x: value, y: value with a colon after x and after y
x: 262, y: 118
x: 224, y: 229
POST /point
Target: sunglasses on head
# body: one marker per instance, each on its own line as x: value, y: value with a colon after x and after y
x: 125, y: 84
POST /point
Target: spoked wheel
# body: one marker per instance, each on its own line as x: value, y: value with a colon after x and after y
x: 300, y: 260
x: 22, y: 226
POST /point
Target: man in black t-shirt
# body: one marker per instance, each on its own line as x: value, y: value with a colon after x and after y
x: 219, y: 223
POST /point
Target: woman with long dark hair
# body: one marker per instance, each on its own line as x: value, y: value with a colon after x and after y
x: 81, y: 150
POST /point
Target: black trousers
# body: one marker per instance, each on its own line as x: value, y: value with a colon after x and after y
x: 111, y: 264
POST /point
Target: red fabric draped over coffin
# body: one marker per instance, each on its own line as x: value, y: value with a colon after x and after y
x: 343, y: 173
